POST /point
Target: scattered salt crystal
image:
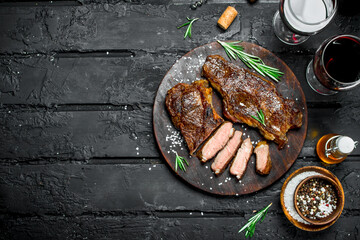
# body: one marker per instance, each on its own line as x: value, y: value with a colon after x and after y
x: 211, y: 188
x: 191, y: 213
x: 149, y: 168
x: 202, y: 213
x: 206, y: 167
x: 211, y: 177
x: 290, y: 191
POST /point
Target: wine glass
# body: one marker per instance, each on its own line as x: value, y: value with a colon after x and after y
x: 335, y: 66
x: 297, y: 20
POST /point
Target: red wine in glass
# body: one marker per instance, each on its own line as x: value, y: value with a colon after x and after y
x: 335, y: 66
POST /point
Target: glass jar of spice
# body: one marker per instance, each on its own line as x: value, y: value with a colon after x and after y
x: 334, y: 148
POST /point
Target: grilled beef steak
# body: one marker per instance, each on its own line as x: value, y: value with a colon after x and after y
x: 238, y: 166
x: 191, y: 111
x: 244, y: 94
x: 263, y: 160
x: 224, y: 157
x: 216, y: 142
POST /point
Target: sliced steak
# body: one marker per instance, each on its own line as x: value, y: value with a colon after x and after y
x: 263, y: 160
x: 216, y: 142
x: 224, y: 157
x: 192, y: 112
x: 238, y: 166
x: 245, y: 93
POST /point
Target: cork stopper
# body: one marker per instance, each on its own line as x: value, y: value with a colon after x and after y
x: 345, y: 144
x: 227, y: 17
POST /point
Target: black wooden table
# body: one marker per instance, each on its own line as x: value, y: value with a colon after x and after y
x: 78, y: 157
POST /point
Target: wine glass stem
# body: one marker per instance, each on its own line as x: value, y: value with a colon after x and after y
x: 284, y: 33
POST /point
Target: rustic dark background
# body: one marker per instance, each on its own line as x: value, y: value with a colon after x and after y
x: 78, y: 158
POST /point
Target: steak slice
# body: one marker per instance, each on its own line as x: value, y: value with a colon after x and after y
x: 224, y: 157
x: 191, y: 111
x: 238, y: 166
x: 263, y: 160
x: 245, y: 93
x: 216, y: 142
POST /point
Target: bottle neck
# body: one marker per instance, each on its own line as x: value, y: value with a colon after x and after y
x: 339, y: 146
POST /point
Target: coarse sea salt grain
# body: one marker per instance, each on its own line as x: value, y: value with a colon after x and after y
x: 290, y: 191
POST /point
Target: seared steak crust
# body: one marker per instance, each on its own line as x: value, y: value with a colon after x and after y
x: 191, y: 111
x: 245, y: 93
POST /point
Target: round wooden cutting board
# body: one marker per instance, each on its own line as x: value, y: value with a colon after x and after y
x: 188, y: 69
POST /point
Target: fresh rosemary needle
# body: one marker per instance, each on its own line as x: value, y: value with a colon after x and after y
x: 260, y: 117
x: 179, y: 161
x: 233, y: 51
x: 250, y: 226
x: 188, y: 30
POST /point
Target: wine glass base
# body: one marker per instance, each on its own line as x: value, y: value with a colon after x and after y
x: 284, y: 34
x: 314, y: 82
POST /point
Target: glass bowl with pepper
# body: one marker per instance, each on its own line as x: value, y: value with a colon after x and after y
x: 318, y: 200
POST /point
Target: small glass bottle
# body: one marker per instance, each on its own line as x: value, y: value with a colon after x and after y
x: 334, y: 148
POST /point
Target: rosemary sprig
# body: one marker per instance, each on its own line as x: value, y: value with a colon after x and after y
x: 188, y: 30
x: 250, y: 226
x: 179, y: 161
x: 260, y: 117
x: 254, y: 62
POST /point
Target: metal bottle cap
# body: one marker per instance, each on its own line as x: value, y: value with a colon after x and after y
x: 345, y: 144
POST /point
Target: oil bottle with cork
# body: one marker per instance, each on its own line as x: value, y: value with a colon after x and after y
x: 334, y: 148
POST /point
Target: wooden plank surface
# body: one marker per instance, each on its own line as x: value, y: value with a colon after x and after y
x: 111, y: 27
x: 85, y: 199
x: 73, y: 189
x: 33, y: 134
x: 181, y: 227
x: 78, y: 158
